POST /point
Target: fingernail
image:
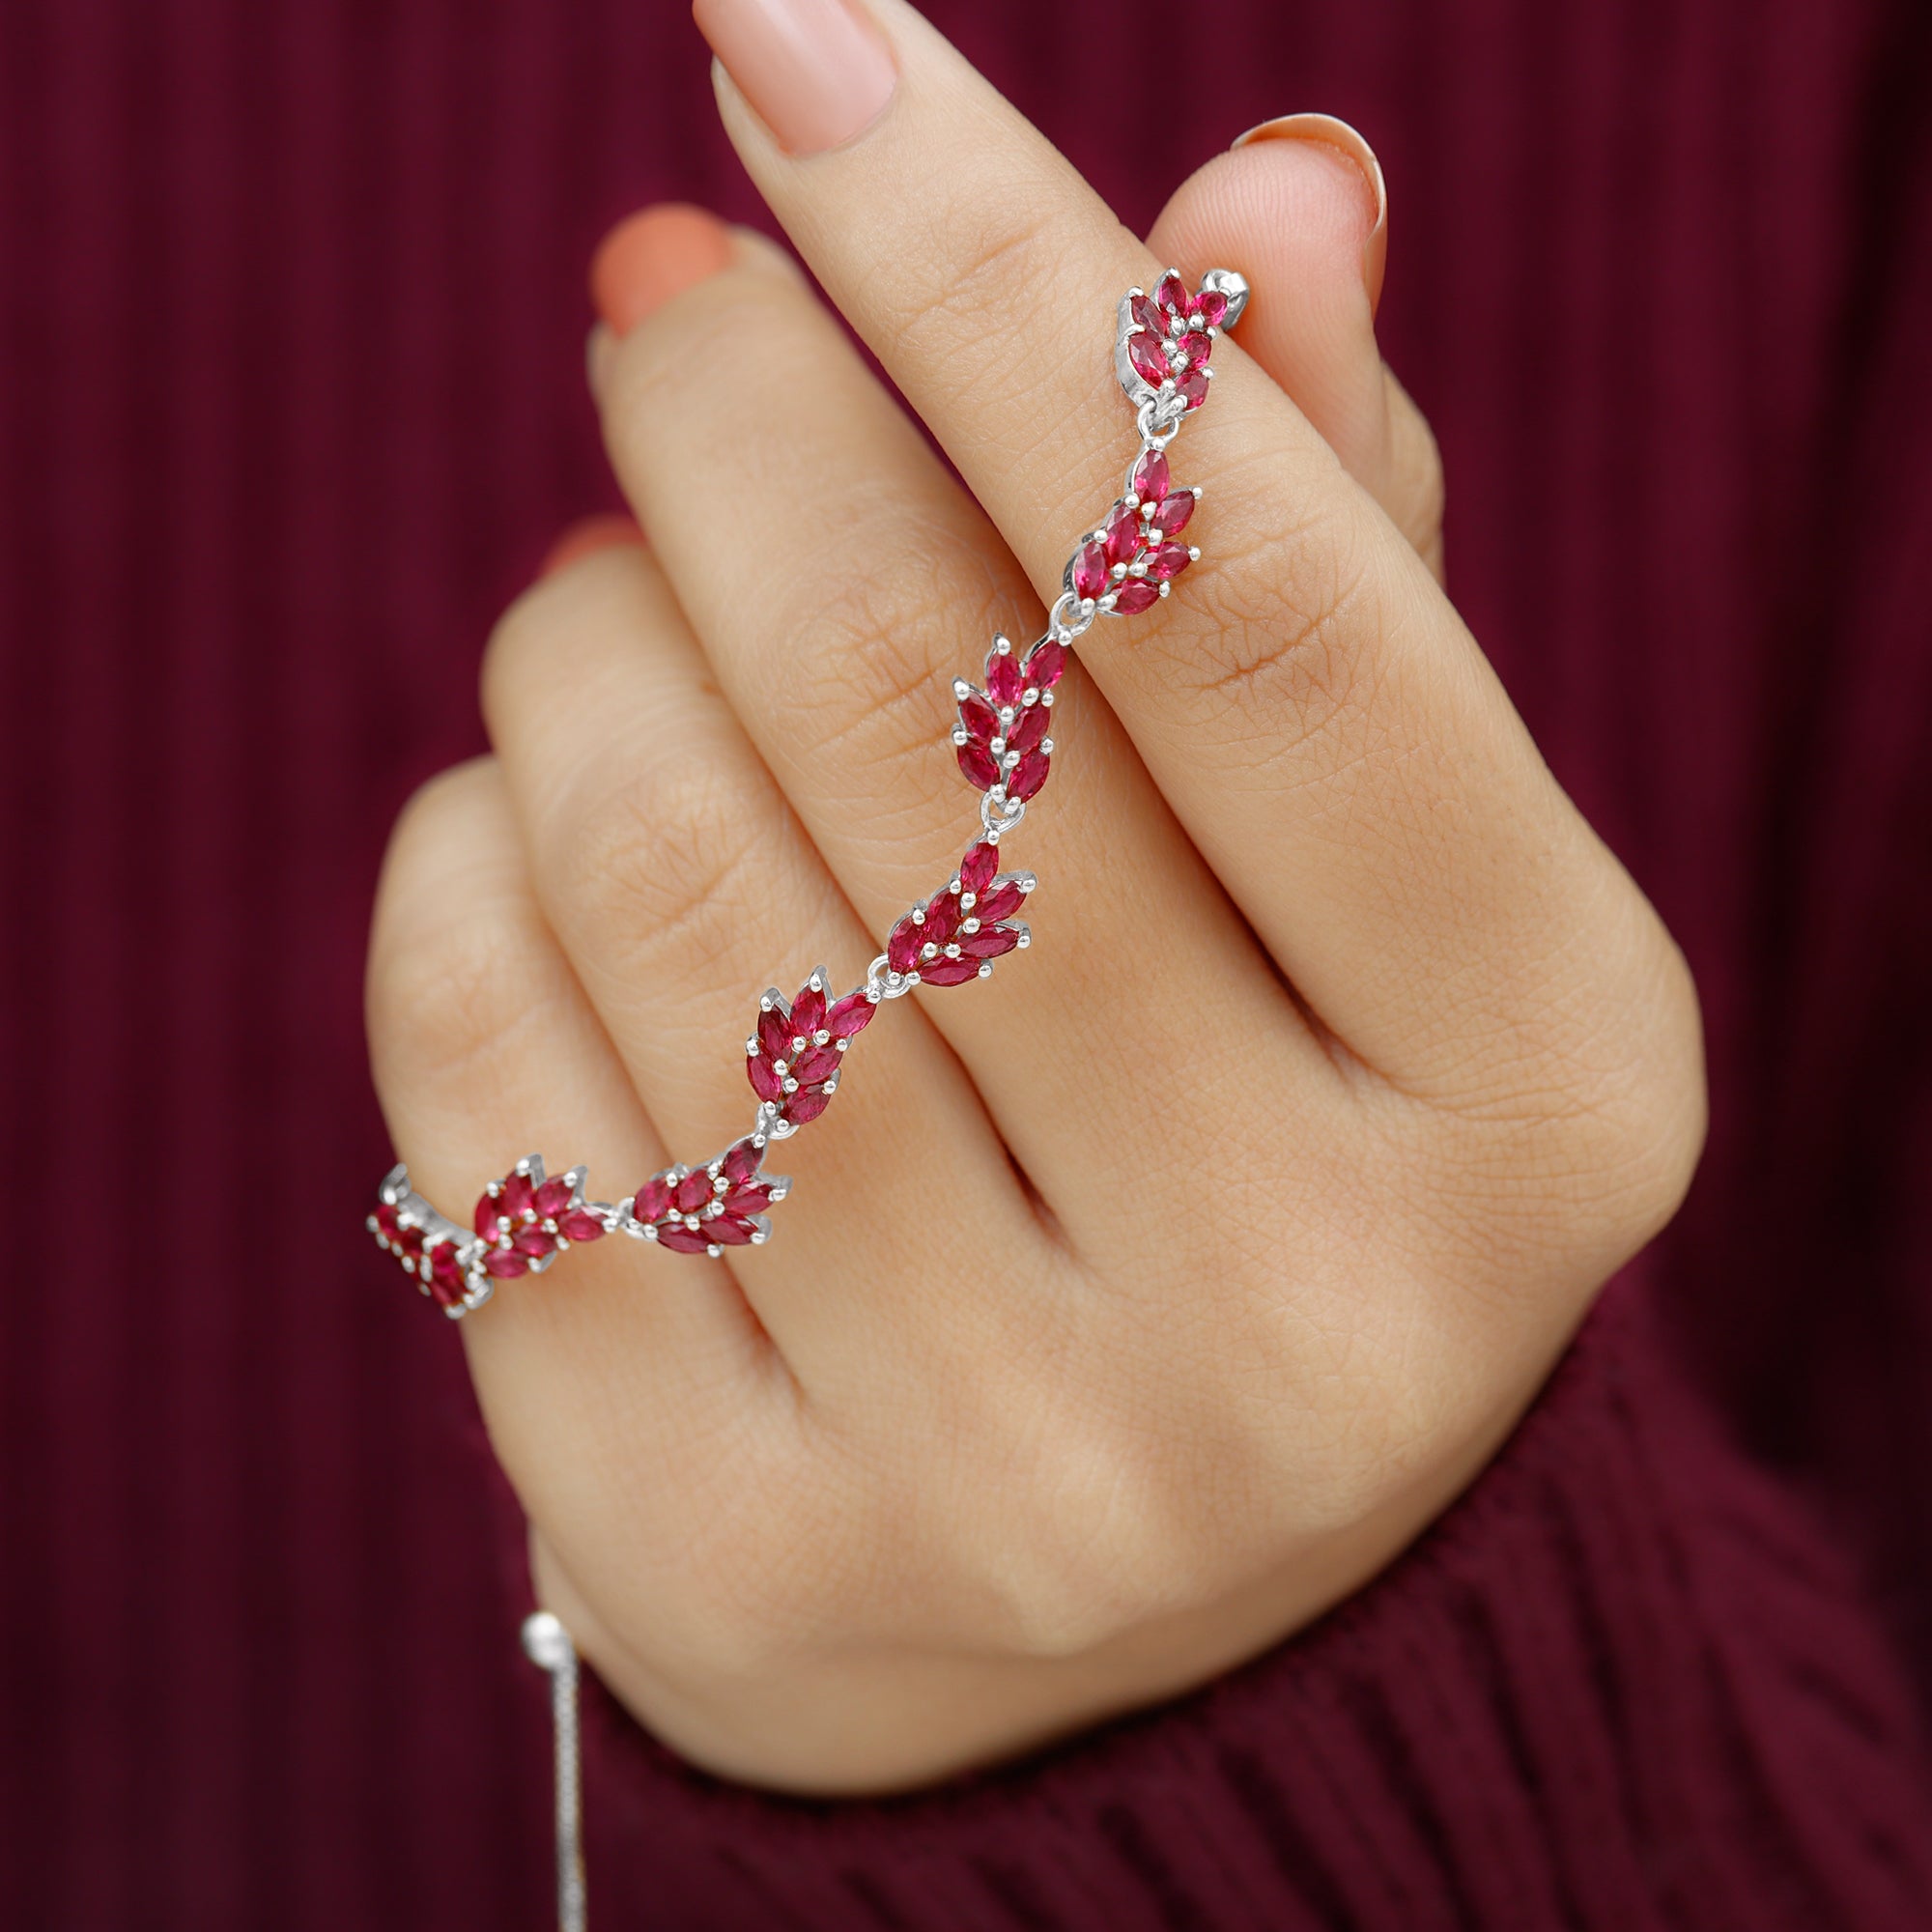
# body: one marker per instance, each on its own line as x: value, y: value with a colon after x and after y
x: 650, y: 257
x: 586, y: 537
x: 1345, y: 140
x: 818, y: 71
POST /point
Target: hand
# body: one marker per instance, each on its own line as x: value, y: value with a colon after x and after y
x: 1137, y: 1304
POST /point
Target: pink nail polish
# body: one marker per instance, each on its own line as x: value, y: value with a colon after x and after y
x: 818, y: 71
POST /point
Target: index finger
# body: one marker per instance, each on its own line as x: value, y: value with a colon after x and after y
x: 1308, y: 701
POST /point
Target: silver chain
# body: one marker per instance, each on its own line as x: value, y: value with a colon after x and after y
x: 547, y: 1645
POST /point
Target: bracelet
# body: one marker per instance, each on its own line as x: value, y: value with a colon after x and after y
x: 795, y: 1054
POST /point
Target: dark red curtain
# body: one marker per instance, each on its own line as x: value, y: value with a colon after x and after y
x: 291, y: 334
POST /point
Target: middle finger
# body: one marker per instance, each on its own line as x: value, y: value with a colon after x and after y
x: 838, y: 579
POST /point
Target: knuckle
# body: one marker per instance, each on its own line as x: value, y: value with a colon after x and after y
x: 999, y: 256
x: 1282, y: 643
x: 655, y: 854
x: 869, y: 676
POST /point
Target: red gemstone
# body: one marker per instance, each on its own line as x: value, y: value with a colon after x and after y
x: 978, y: 717
x: 489, y: 1215
x: 1135, y: 596
x: 976, y: 762
x: 1046, y: 663
x: 902, y: 945
x: 1029, y: 728
x: 942, y: 919
x: 691, y: 1193
x: 764, y: 1077
x: 446, y: 1284
x: 741, y: 1161
x: 1123, y: 535
x: 808, y: 1012
x: 948, y: 972
x: 685, y: 1240
x: 981, y: 863
x: 1146, y: 314
x: 727, y: 1233
x: 551, y: 1198
x: 1002, y: 902
x: 1150, y: 480
x: 774, y: 1034
x: 1090, y: 571
x: 578, y: 1226
x: 852, y: 1014
x: 504, y: 1267
x: 532, y: 1241
x: 1199, y: 346
x: 989, y: 942
x: 806, y: 1104
x: 1144, y: 352
x: 1169, y: 560
x: 653, y: 1199
x: 1210, y: 305
x: 744, y: 1202
x: 1028, y: 775
x: 518, y: 1195
x: 1003, y: 677
x: 1193, y: 388
x: 1174, y: 513
x: 1171, y: 293
x: 817, y: 1063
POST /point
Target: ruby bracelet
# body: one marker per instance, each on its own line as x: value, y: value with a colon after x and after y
x: 795, y: 1055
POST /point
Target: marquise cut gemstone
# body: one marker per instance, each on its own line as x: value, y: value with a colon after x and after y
x: 532, y: 1241
x: 1090, y: 570
x: 691, y: 1193
x: 519, y: 1192
x: 1135, y: 595
x: 774, y: 1032
x: 1145, y: 314
x: 1173, y: 512
x: 1002, y: 902
x: 976, y: 762
x: 949, y: 972
x: 1003, y: 678
x: 488, y: 1220
x: 808, y: 1012
x: 1169, y: 559
x: 766, y: 1081
x: 1028, y: 775
x: 652, y: 1202
x: 807, y: 1103
x: 1046, y: 665
x: 981, y: 863
x: 505, y: 1264
x: 848, y: 1016
x: 580, y: 1225
x: 989, y: 942
x: 741, y: 1159
x: 684, y: 1240
x: 744, y: 1202
x: 551, y: 1198
x: 1149, y: 479
x: 445, y: 1279
x: 978, y: 717
x: 942, y: 919
x: 818, y: 1063
x: 902, y: 945
x: 1123, y: 535
x: 1193, y: 388
x: 1144, y: 352
x: 728, y: 1233
x: 1171, y: 293
x: 1029, y: 728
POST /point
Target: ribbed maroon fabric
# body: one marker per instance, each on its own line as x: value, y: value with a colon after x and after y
x: 291, y: 326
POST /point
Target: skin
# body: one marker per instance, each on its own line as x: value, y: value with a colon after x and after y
x: 1135, y: 1305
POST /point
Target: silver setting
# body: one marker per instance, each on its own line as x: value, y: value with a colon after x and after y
x: 1160, y: 411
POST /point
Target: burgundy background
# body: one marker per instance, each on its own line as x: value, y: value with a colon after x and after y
x: 289, y: 404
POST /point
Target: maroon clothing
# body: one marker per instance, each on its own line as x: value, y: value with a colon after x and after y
x: 291, y: 398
